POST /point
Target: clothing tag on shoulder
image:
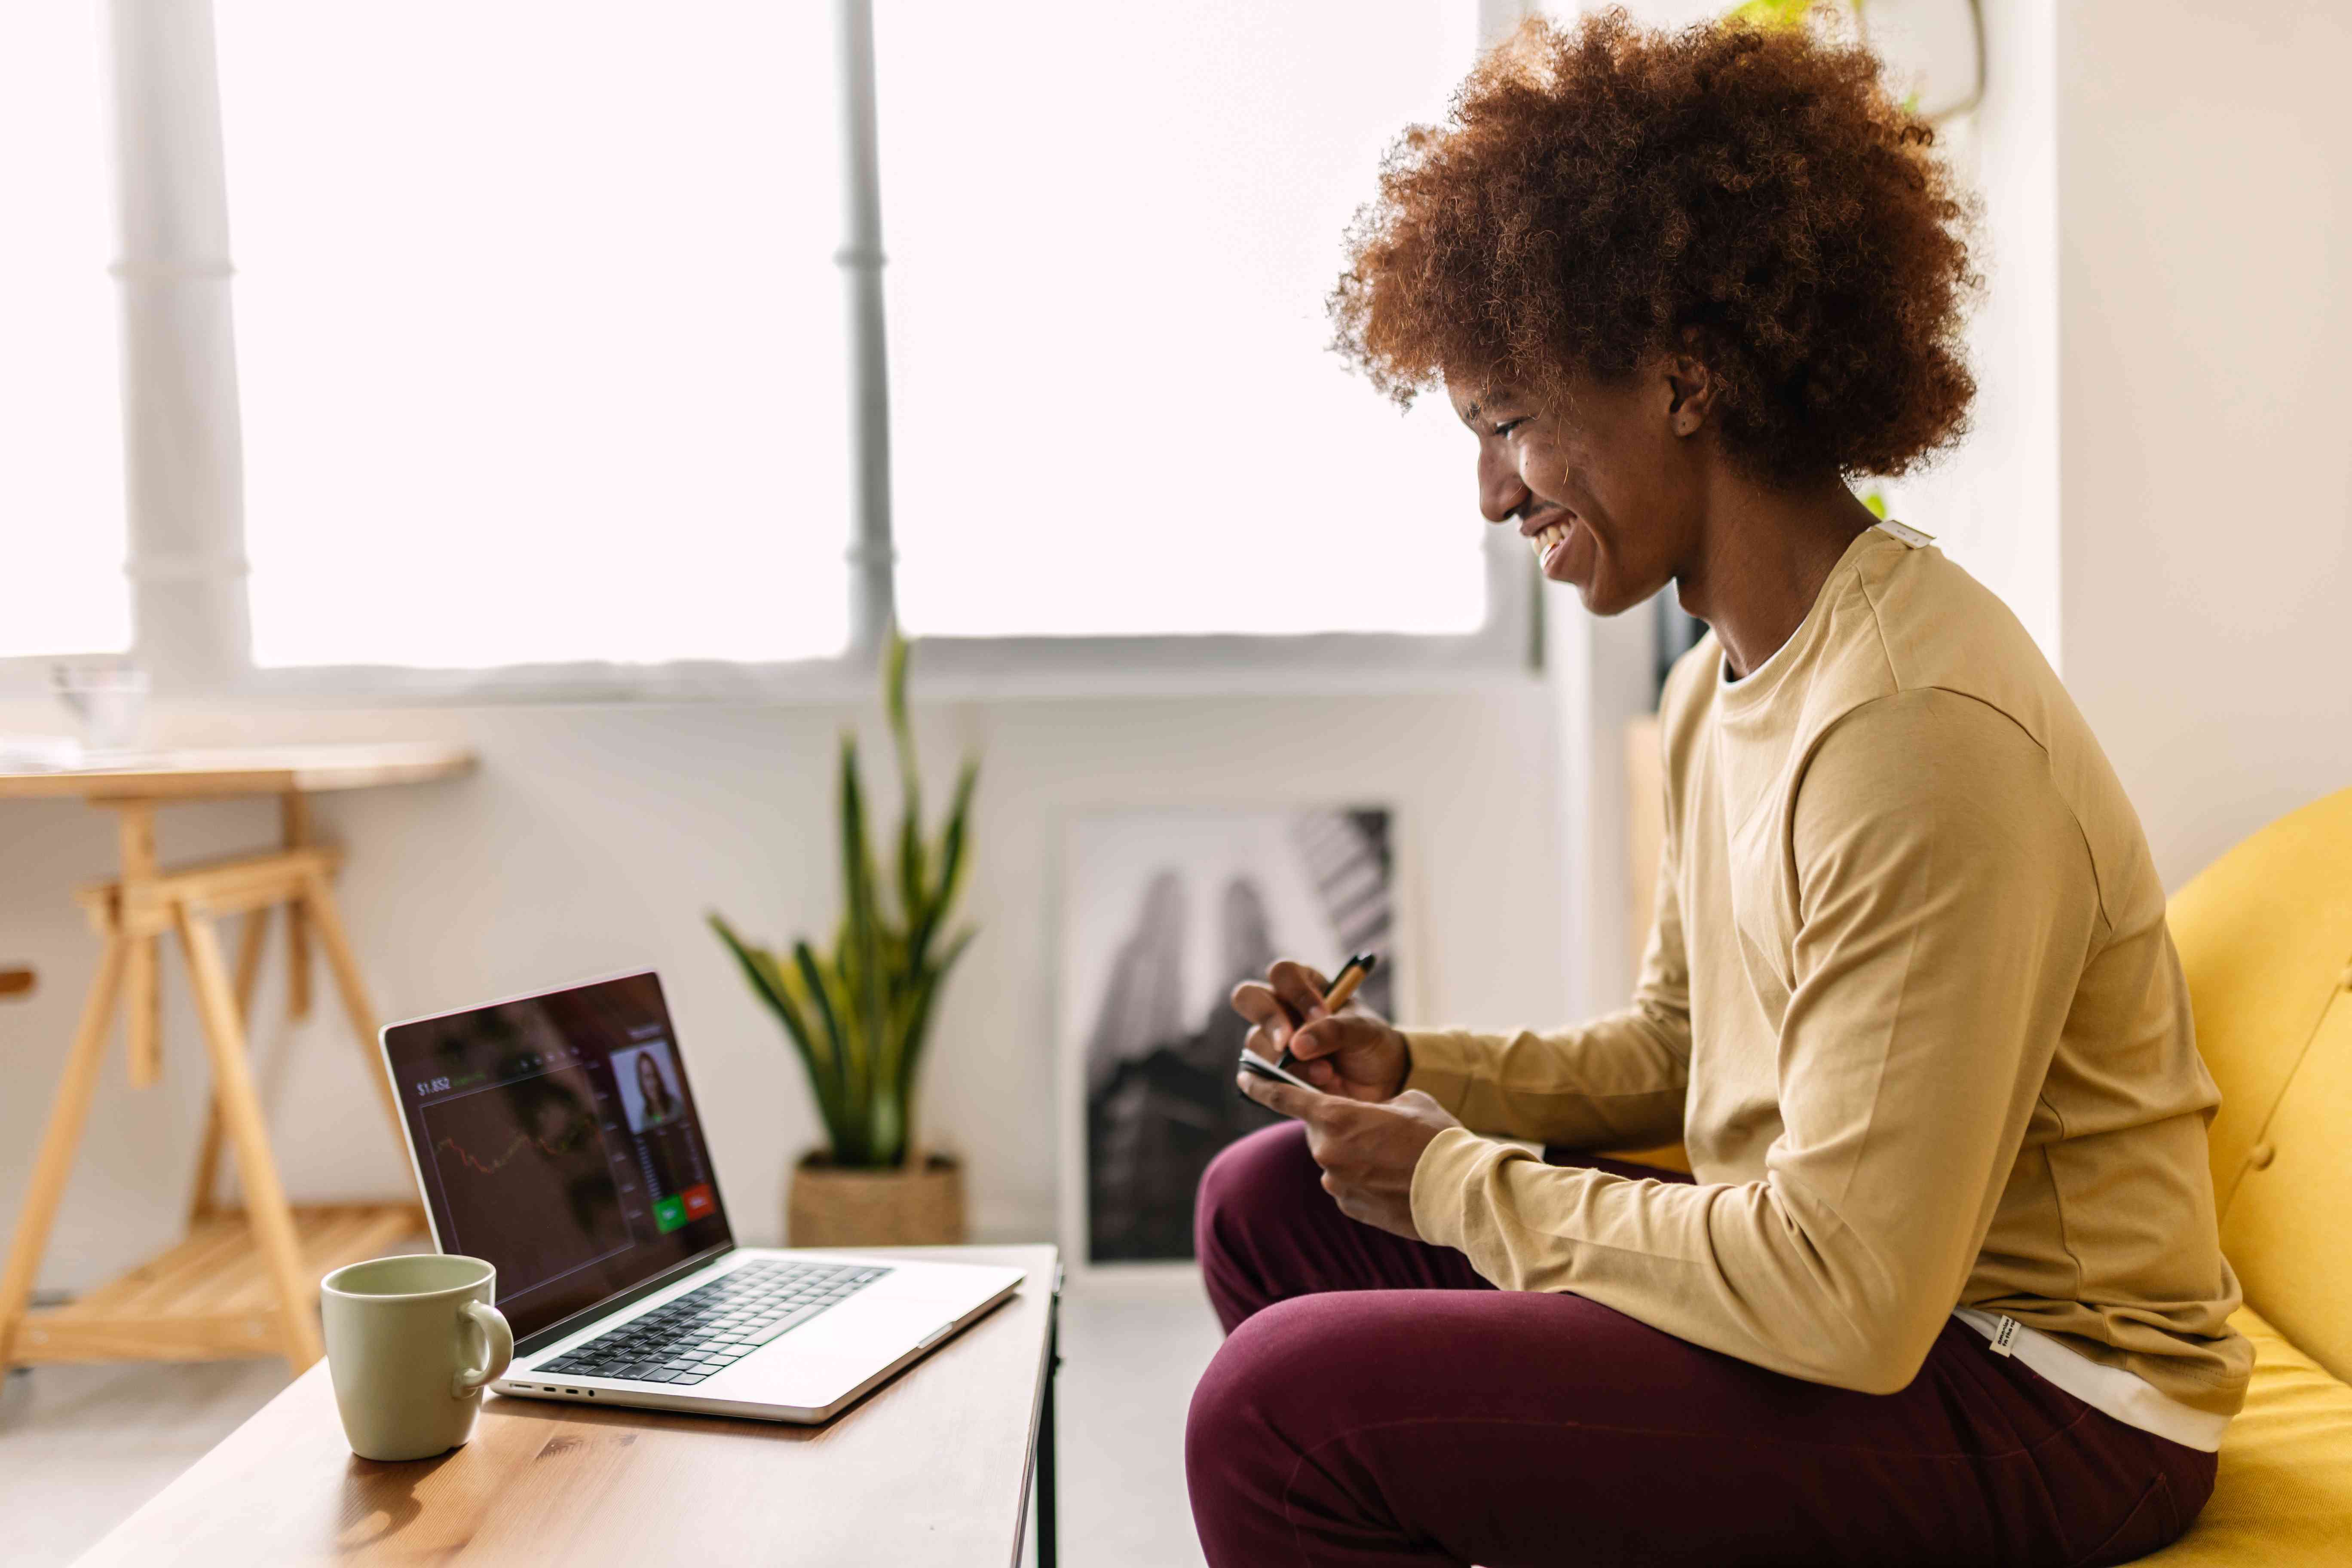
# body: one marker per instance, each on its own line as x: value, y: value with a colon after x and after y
x: 2004, y: 1336
x: 1907, y: 535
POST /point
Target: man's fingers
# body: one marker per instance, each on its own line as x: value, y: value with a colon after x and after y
x: 1256, y: 1001
x: 1298, y: 987
x: 1327, y: 1035
x: 1260, y: 1006
x: 1266, y: 1046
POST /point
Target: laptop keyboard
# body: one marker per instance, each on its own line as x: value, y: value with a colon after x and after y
x: 709, y: 1329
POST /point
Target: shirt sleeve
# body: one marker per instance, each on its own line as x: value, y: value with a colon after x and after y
x: 1617, y: 1082
x: 1946, y: 905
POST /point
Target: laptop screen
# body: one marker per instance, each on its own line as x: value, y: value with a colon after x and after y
x: 558, y: 1140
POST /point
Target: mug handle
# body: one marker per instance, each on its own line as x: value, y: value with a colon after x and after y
x: 498, y: 1348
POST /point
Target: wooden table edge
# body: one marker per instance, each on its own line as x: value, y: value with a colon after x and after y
x: 136, y: 1540
x: 303, y: 769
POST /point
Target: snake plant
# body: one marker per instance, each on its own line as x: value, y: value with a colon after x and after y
x: 859, y: 1015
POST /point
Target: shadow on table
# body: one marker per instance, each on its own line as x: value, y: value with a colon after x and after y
x: 385, y: 1491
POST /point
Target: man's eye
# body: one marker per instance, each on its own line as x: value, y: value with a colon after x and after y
x: 1508, y: 426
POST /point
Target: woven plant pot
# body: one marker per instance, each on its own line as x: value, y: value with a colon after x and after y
x: 916, y: 1205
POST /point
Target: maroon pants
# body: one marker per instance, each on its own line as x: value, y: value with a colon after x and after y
x: 1377, y: 1402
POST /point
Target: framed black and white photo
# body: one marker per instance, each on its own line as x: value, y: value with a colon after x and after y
x: 1164, y: 912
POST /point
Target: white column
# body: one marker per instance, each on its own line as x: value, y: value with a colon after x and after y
x: 1600, y: 672
x: 872, y: 555
x: 183, y: 461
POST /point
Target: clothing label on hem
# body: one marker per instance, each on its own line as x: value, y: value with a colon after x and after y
x: 1907, y: 535
x: 2128, y: 1398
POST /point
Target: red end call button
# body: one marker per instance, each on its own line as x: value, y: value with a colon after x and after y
x: 699, y: 1200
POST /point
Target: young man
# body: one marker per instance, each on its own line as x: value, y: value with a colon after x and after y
x: 1945, y: 1286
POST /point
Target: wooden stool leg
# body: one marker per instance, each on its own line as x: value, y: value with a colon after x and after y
x: 265, y: 1198
x: 249, y: 975
x: 294, y: 821
x: 319, y: 902
x: 54, y: 1162
x: 144, y: 1001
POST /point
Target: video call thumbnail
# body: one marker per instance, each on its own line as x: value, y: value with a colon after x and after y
x: 648, y: 1083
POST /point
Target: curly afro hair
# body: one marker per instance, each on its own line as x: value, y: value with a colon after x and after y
x: 1752, y: 197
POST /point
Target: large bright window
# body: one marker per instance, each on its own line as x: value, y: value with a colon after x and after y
x: 569, y: 347
x: 62, y: 588
x: 1111, y: 230
x: 539, y: 331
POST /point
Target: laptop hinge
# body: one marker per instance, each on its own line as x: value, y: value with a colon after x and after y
x: 531, y: 1344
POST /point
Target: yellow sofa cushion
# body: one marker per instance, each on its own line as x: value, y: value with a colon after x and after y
x: 2266, y: 938
x: 2285, y: 1226
x: 2284, y: 1495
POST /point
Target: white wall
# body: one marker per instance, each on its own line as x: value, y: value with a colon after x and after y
x: 2205, y: 208
x: 594, y: 837
x: 1992, y: 503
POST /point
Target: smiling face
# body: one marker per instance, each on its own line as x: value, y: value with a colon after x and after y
x: 1608, y: 486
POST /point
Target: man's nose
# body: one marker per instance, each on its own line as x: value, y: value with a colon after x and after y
x: 1501, y: 493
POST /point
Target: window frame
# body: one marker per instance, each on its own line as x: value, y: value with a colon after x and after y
x: 187, y: 570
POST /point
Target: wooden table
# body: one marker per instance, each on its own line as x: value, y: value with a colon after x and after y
x: 931, y: 1469
x: 245, y: 1282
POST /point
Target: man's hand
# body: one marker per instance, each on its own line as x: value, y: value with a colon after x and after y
x: 1367, y: 1152
x: 1354, y: 1052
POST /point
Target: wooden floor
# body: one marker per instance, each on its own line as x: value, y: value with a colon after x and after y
x: 82, y: 1446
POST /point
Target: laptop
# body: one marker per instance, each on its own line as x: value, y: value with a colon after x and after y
x: 556, y: 1136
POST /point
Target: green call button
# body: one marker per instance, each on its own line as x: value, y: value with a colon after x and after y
x: 670, y: 1214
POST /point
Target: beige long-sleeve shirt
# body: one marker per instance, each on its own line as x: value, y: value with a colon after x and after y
x: 1911, y: 1004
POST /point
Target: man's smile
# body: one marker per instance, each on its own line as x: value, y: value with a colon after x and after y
x: 1546, y: 533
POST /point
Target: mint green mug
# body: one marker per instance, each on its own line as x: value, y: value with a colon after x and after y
x: 410, y: 1343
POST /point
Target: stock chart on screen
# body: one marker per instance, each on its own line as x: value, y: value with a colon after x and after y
x: 511, y: 1156
x: 557, y: 1138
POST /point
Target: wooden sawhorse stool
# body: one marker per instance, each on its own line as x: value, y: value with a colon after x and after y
x: 244, y: 1282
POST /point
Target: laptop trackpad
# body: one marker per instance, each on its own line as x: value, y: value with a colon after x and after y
x: 833, y: 1352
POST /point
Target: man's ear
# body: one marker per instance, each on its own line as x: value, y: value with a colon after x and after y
x: 1691, y: 391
